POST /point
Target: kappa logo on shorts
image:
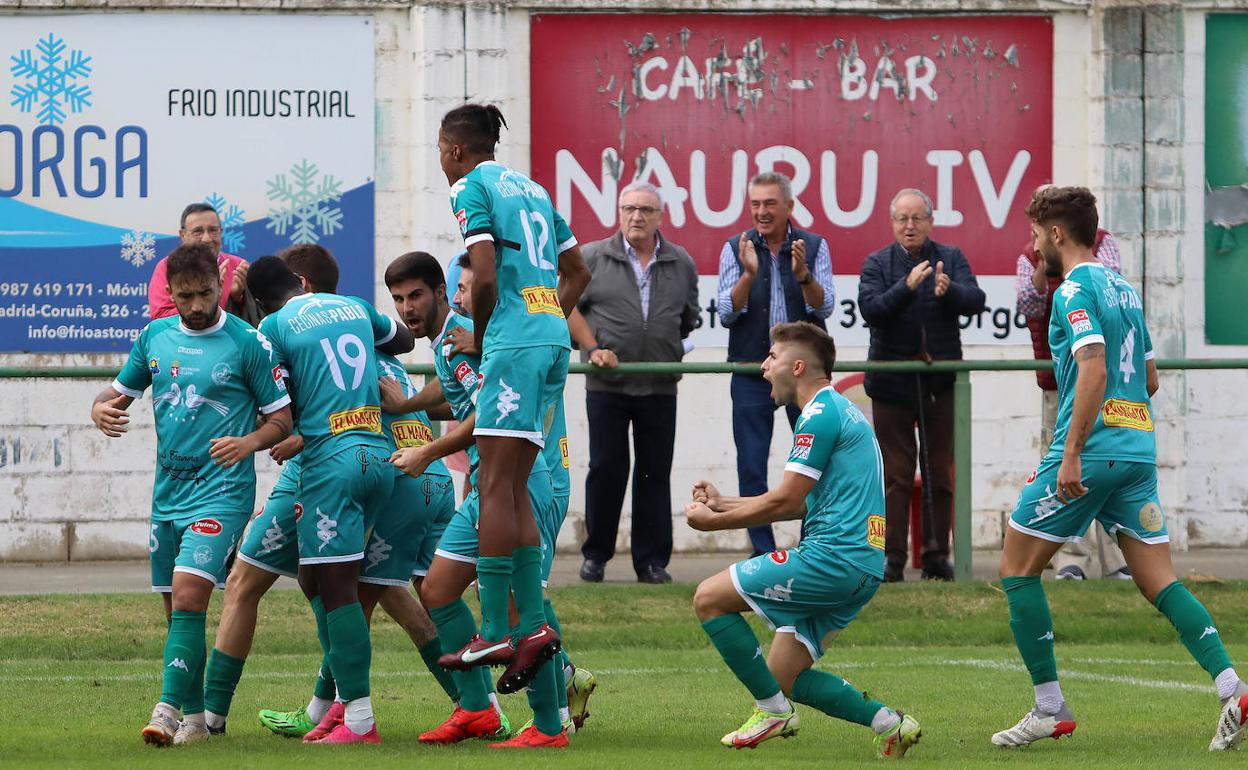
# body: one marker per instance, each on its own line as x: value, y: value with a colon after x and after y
x: 780, y: 592
x: 326, y: 529
x: 508, y: 400
x: 202, y: 555
x: 274, y: 539
x: 153, y: 543
x: 206, y: 527
x: 1151, y: 518
x: 378, y: 552
x: 875, y: 531
x: 779, y: 557
x: 1047, y: 506
x: 466, y: 376
x: 1078, y: 320
x: 802, y: 444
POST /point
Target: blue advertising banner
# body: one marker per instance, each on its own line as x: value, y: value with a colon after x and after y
x: 269, y: 119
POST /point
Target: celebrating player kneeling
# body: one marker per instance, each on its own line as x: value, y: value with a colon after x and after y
x: 833, y: 481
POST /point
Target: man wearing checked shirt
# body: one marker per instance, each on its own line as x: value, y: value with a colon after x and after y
x: 772, y: 274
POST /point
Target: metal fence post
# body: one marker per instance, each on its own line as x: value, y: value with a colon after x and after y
x: 962, y: 476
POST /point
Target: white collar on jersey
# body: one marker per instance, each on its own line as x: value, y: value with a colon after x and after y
x: 1081, y: 264
x: 220, y: 324
x: 446, y: 322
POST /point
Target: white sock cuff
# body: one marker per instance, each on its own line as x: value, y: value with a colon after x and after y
x: 884, y: 720
x: 1226, y: 682
x: 776, y: 704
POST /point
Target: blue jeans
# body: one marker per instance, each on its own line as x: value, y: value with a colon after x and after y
x: 752, y: 420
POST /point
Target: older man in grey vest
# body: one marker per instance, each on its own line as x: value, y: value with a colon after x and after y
x: 640, y: 306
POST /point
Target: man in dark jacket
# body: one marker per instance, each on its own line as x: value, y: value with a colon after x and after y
x: 911, y: 294
x: 640, y: 306
x: 772, y: 274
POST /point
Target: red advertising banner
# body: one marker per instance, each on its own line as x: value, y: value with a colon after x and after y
x: 853, y: 108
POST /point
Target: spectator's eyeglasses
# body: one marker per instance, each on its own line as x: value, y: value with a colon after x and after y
x: 917, y: 219
x: 198, y: 231
x: 645, y: 211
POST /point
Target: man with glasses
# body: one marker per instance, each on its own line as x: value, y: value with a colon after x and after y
x: 640, y: 306
x: 200, y: 223
x: 772, y: 274
x: 912, y: 293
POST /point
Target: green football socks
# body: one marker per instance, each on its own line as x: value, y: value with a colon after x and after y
x: 455, y: 627
x: 494, y: 581
x: 526, y: 584
x: 543, y: 696
x: 326, y: 688
x: 1195, y: 626
x: 184, y: 660
x: 221, y: 680
x: 835, y: 697
x: 350, y: 650
x: 739, y: 648
x: 1032, y: 625
x: 430, y: 651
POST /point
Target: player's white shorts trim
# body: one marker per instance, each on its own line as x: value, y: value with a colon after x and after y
x: 331, y: 559
x: 1114, y: 530
x: 732, y: 572
x: 267, y: 568
x: 1044, y: 535
x: 531, y: 435
x: 200, y: 573
x: 162, y: 589
x: 455, y: 556
x: 814, y: 653
x: 383, y: 581
x: 420, y: 573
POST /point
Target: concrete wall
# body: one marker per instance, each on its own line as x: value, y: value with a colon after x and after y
x: 1128, y: 121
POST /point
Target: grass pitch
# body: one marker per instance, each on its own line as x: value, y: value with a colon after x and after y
x: 79, y: 676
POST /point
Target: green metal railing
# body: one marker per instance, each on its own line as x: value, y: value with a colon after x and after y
x: 961, y: 404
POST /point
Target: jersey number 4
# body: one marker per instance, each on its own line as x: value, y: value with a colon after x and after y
x: 1126, y: 356
x: 358, y: 361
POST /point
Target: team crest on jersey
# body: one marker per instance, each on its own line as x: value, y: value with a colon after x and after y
x: 221, y: 373
x: 174, y: 368
x: 206, y: 527
x: 802, y: 444
x: 1119, y: 413
x: 875, y: 531
x: 1150, y: 517
x: 153, y: 365
x: 779, y: 557
x: 541, y: 299
x: 466, y: 376
x: 1078, y: 320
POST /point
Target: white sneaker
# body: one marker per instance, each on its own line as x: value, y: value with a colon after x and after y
x: 761, y: 726
x: 190, y: 732
x: 163, y: 725
x: 1035, y: 726
x: 1232, y: 721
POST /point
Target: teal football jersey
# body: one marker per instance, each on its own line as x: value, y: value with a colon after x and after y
x: 556, y: 450
x: 460, y: 376
x: 495, y: 203
x: 833, y: 444
x: 325, y: 342
x: 1096, y: 305
x: 407, y: 430
x: 205, y: 384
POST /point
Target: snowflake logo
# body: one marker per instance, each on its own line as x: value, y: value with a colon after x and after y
x: 307, y: 209
x: 232, y: 220
x: 51, y: 81
x: 138, y: 248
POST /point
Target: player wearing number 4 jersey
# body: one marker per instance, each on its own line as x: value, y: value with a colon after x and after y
x: 1100, y: 468
x: 528, y: 275
x: 834, y: 482
x: 209, y: 373
x: 326, y: 342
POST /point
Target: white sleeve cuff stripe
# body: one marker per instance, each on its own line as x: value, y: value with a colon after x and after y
x: 1149, y: 356
x: 123, y: 390
x: 478, y: 238
x: 1085, y: 341
x: 394, y: 329
x: 569, y: 243
x: 805, y: 470
x: 276, y: 405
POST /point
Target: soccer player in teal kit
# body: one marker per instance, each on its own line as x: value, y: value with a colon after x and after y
x: 209, y: 373
x: 834, y: 482
x: 1101, y: 467
x: 528, y: 274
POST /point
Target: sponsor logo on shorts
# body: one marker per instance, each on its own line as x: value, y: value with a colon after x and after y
x: 749, y: 567
x: 1151, y: 518
x: 563, y: 451
x: 466, y: 376
x: 780, y: 592
x: 875, y: 531
x: 779, y: 557
x: 410, y: 433
x: 153, y: 543
x: 508, y: 400
x: 1030, y: 478
x: 274, y: 538
x: 539, y: 299
x: 802, y: 444
x: 298, y: 511
x: 202, y: 555
x: 1046, y: 507
x: 1078, y: 320
x: 153, y: 365
x: 326, y: 529
x: 378, y: 552
x: 1127, y: 414
x: 365, y: 418
x: 206, y: 527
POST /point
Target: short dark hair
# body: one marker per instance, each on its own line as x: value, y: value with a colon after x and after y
x: 814, y: 339
x: 192, y: 260
x: 1073, y: 208
x: 314, y: 262
x: 416, y: 266
x: 270, y: 280
x: 477, y: 126
x: 198, y: 207
x: 464, y: 261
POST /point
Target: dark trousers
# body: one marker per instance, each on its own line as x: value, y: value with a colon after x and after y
x: 895, y: 430
x: 653, y: 419
x: 753, y: 416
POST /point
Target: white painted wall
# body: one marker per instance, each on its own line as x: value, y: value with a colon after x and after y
x: 67, y: 491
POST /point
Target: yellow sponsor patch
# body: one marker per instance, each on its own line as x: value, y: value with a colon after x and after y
x: 539, y: 299
x: 563, y: 451
x: 1150, y: 517
x: 1127, y: 414
x: 875, y: 531
x: 410, y: 433
x: 366, y: 418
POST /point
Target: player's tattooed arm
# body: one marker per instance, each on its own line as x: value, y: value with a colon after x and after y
x: 228, y: 451
x: 109, y: 414
x: 574, y: 276
x: 711, y: 511
x: 1089, y: 394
